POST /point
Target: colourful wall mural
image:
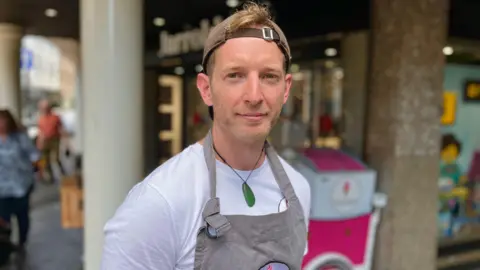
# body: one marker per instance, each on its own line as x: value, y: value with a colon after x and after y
x: 459, y: 181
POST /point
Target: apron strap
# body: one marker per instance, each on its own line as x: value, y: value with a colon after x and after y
x: 217, y: 224
x: 279, y: 173
x: 211, y: 163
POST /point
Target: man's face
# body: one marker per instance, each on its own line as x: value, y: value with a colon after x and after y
x: 247, y: 88
x: 43, y: 106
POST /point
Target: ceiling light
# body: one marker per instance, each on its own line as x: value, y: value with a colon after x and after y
x: 331, y: 52
x: 448, y: 50
x: 294, y: 68
x: 198, y: 68
x: 50, y: 12
x: 159, y: 21
x: 232, y: 3
x: 338, y: 74
x: 179, y: 70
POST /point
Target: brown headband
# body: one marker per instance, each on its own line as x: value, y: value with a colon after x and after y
x: 265, y: 33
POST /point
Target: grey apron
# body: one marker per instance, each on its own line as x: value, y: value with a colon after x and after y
x: 238, y: 242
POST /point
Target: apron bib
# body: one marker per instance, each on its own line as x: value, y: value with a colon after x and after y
x: 238, y: 242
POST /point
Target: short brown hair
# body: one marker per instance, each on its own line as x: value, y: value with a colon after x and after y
x: 251, y: 15
x: 12, y: 126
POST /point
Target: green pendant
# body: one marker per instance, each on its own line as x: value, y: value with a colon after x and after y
x: 248, y: 194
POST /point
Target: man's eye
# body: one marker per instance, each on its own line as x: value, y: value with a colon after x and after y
x: 233, y: 75
x: 271, y: 77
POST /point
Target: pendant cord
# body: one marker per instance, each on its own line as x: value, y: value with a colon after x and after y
x: 248, y: 177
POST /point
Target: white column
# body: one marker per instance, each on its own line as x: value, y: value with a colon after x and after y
x: 112, y: 84
x: 355, y: 55
x: 79, y: 129
x: 10, y: 92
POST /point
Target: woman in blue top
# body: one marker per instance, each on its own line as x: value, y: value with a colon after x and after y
x: 17, y: 155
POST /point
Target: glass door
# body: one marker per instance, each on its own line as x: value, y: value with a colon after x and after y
x: 327, y: 118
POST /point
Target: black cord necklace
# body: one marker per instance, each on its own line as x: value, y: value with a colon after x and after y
x: 247, y: 191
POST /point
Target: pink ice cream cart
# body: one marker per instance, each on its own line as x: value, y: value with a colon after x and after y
x: 345, y: 210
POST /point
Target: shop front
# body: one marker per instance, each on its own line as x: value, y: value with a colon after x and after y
x: 180, y: 118
x: 326, y: 109
x: 459, y: 182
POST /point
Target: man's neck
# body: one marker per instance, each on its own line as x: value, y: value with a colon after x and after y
x: 239, y: 155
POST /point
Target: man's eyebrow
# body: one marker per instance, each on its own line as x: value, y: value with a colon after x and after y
x: 263, y: 69
x: 233, y: 67
x: 273, y: 68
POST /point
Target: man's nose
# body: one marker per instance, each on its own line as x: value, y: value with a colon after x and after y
x: 253, y: 92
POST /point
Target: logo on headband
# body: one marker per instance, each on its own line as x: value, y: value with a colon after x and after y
x: 275, y: 266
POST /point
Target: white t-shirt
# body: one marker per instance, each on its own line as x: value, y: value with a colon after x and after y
x: 157, y: 225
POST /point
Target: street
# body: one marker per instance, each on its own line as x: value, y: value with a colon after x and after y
x: 50, y: 247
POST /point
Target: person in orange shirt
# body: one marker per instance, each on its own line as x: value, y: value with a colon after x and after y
x: 48, y: 141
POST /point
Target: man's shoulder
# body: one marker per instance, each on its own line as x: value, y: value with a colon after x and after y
x: 181, y: 166
x: 49, y: 117
x: 41, y: 118
x: 174, y: 186
x: 181, y: 177
x: 169, y: 200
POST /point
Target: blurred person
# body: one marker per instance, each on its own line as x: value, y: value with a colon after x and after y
x: 228, y: 201
x: 17, y: 156
x: 325, y: 123
x: 48, y: 139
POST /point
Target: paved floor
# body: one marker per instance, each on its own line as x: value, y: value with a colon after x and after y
x: 50, y: 247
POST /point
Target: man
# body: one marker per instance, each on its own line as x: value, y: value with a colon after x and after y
x: 48, y: 140
x: 229, y: 201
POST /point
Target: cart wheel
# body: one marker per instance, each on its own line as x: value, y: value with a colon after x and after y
x: 334, y: 265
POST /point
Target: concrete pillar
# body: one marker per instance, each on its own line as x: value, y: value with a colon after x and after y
x: 355, y: 55
x: 112, y: 84
x: 403, y: 127
x: 10, y: 92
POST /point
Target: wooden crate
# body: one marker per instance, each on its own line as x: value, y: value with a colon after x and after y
x: 71, y: 196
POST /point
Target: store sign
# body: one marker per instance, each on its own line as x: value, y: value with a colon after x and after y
x: 472, y: 91
x: 26, y: 59
x: 449, y: 108
x: 40, y: 64
x: 187, y: 41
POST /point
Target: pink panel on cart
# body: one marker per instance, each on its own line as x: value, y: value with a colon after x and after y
x: 348, y: 237
x: 333, y: 160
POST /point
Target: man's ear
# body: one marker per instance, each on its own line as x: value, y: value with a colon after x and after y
x: 203, y: 85
x: 288, y: 85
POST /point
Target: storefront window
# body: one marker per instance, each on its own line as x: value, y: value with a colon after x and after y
x: 316, y: 103
x: 459, y: 168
